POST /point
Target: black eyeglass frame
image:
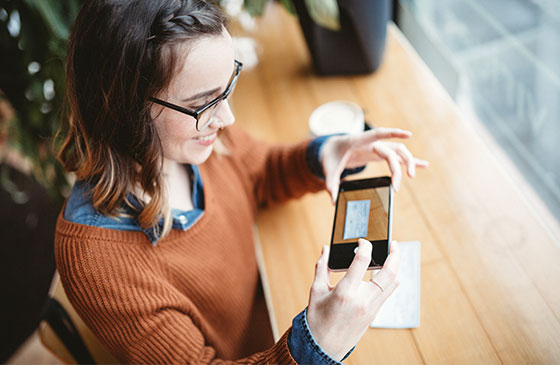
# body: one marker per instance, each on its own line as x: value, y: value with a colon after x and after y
x: 196, y: 113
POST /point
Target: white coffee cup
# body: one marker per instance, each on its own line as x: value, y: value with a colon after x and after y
x: 337, y: 117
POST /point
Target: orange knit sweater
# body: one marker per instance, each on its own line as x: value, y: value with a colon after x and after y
x: 192, y: 298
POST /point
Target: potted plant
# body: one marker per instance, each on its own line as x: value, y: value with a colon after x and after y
x: 33, y: 38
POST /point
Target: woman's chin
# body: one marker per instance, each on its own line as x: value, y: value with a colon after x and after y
x: 200, y: 156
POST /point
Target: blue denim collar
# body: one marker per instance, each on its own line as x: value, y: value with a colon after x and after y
x: 79, y: 209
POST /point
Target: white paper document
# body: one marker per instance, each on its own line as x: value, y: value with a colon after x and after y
x: 402, y: 308
x: 357, y: 217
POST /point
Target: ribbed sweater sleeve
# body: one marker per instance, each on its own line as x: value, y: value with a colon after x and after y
x: 124, y: 298
x: 277, y: 172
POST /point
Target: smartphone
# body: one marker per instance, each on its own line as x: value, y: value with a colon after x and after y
x: 364, y: 209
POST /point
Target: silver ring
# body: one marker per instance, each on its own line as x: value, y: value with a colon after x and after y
x: 378, y: 285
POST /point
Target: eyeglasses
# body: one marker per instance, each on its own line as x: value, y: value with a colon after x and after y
x: 204, y: 115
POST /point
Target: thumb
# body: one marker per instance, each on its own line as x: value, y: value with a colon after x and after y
x: 332, y: 186
x: 333, y: 176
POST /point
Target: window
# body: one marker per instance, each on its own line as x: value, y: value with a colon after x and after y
x: 500, y: 61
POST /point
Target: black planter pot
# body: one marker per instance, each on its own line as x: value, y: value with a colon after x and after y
x: 357, y: 48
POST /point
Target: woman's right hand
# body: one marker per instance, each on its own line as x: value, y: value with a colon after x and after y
x: 338, y: 317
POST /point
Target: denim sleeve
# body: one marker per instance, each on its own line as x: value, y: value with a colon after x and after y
x: 313, y: 157
x: 303, y: 347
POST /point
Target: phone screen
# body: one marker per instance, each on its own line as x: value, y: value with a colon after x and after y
x: 362, y: 213
x: 363, y: 210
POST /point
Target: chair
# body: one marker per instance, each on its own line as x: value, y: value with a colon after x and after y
x: 64, y: 333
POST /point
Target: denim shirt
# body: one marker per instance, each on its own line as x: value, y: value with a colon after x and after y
x: 303, y: 347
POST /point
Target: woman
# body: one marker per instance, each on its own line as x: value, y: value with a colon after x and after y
x: 154, y: 244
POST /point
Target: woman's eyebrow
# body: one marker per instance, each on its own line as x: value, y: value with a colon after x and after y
x: 202, y: 94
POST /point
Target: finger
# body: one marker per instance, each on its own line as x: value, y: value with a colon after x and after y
x: 360, y: 264
x: 385, y: 133
x: 379, y: 134
x: 387, y: 276
x: 392, y: 160
x: 421, y: 163
x: 333, y: 189
x: 333, y: 181
x: 407, y: 158
x: 332, y: 186
x: 333, y: 177
x: 322, y: 274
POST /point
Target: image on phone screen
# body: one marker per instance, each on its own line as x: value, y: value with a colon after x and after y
x: 353, y: 213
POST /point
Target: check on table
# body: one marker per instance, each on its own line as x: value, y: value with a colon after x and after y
x: 490, y: 250
x: 402, y: 309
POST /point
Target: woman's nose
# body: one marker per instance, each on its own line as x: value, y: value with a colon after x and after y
x: 222, y: 116
x: 225, y: 114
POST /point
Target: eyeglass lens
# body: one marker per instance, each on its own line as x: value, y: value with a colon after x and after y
x: 208, y: 115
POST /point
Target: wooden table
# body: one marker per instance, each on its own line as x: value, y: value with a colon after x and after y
x: 490, y: 251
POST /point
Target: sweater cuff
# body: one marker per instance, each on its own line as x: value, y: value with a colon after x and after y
x: 314, y: 154
x: 304, y: 348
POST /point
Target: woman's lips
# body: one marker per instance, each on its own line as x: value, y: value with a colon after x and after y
x: 206, y: 140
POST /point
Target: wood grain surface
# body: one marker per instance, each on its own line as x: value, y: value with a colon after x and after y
x: 490, y: 250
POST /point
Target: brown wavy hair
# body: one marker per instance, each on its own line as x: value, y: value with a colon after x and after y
x: 120, y: 53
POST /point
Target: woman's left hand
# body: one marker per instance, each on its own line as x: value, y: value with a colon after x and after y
x: 350, y: 151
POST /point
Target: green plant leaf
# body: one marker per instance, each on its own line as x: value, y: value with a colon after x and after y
x: 43, y: 38
x: 51, y: 12
x: 289, y: 6
x: 255, y: 7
